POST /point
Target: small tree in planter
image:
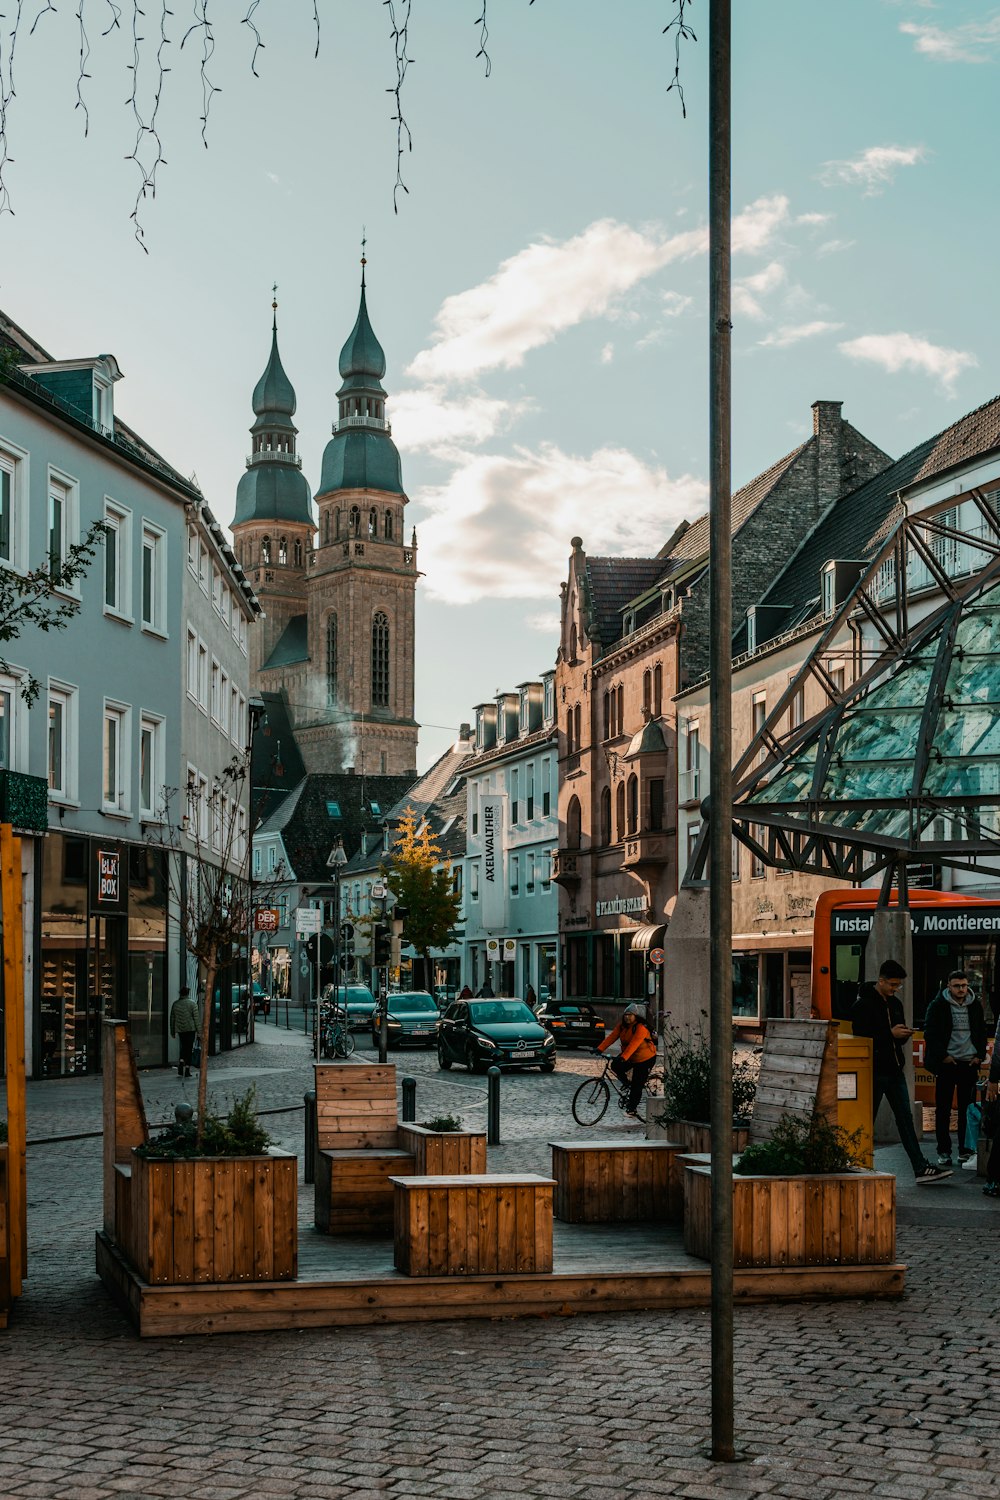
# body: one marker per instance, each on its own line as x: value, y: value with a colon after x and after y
x: 687, y: 1080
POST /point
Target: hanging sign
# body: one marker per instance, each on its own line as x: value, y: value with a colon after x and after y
x: 266, y: 919
x: 509, y: 950
x: 492, y: 811
x: 108, y: 878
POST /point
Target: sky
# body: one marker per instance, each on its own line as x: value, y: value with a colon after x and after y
x: 541, y: 292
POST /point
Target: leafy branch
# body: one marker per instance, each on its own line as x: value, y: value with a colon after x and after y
x: 42, y: 599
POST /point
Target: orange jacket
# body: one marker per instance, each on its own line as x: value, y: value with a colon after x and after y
x: 637, y: 1043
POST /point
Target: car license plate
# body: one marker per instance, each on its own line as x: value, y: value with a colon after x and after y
x: 579, y: 1023
x: 419, y: 1031
x: 521, y: 1056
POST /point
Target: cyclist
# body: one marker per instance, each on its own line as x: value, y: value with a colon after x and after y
x: 635, y: 1061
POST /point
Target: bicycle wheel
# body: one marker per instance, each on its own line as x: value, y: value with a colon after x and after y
x: 590, y: 1101
x: 343, y: 1044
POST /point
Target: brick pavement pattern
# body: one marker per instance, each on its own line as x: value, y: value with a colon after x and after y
x: 883, y: 1399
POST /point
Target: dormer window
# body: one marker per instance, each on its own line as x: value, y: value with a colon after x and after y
x: 751, y: 630
x: 104, y: 419
x: 829, y: 588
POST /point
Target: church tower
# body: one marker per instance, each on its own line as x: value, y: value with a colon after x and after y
x: 362, y: 583
x: 273, y: 526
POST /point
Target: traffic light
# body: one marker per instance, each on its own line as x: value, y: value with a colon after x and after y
x: 381, y: 947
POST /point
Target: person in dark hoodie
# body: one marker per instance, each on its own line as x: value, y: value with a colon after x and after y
x: 954, y: 1047
x: 878, y: 1013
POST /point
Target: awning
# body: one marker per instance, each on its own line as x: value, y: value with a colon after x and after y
x: 645, y: 938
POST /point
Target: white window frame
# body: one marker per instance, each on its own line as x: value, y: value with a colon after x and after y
x: 119, y: 714
x: 224, y: 701
x: 153, y: 811
x: 102, y: 404
x: 192, y: 551
x: 240, y: 850
x: 272, y: 859
x: 515, y: 874
x: 474, y: 882
x: 154, y: 540
x: 202, y: 810
x: 10, y: 684
x: 70, y: 487
x: 243, y: 633
x: 192, y: 665
x: 214, y: 694
x: 65, y: 694
x: 118, y: 524
x: 217, y: 587
x: 203, y: 567
x: 15, y: 463
x: 202, y: 676
x: 256, y: 859
x: 234, y: 713
x: 217, y: 817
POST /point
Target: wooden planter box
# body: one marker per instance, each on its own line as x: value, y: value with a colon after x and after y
x: 842, y: 1220
x: 5, y: 1297
x: 608, y: 1182
x: 694, y: 1136
x: 474, y: 1225
x: 210, y: 1219
x: 443, y: 1153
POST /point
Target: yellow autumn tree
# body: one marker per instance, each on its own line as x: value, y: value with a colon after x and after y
x: 421, y: 881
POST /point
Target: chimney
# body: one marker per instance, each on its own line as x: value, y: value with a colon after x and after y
x: 828, y: 430
x: 465, y: 731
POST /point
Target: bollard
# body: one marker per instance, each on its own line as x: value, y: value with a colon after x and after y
x: 409, y: 1100
x: 183, y: 1113
x: 309, y: 1153
x: 493, y: 1106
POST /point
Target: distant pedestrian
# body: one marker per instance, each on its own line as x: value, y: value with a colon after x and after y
x: 954, y: 1047
x: 878, y: 1013
x: 465, y: 993
x: 184, y: 1023
x: 530, y: 998
x: 485, y: 991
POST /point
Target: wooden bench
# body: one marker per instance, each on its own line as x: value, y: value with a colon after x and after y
x: 474, y: 1225
x: 358, y: 1148
x: 607, y: 1182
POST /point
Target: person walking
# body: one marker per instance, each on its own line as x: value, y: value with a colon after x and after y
x: 184, y: 1023
x: 954, y: 1047
x: 878, y: 1014
x: 634, y: 1062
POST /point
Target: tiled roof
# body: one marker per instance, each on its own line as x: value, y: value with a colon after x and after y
x: 331, y: 805
x: 612, y: 582
x: 972, y: 435
x: 693, y: 544
x: 292, y: 645
x: 276, y: 766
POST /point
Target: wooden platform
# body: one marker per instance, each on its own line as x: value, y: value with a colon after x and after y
x: 347, y: 1281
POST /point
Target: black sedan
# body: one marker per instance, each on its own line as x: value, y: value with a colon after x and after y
x: 413, y: 1017
x: 573, y: 1024
x: 494, y: 1033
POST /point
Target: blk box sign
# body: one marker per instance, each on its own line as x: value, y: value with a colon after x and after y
x: 108, y: 883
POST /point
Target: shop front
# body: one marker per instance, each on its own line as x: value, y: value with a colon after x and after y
x: 103, y: 952
x: 600, y: 964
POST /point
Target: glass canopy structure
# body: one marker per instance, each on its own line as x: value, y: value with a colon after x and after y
x: 902, y: 768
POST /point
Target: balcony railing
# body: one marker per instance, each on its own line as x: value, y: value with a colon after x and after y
x: 378, y: 423
x: 274, y: 456
x: 565, y: 869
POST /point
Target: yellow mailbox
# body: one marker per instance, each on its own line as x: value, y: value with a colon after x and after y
x: 854, y: 1090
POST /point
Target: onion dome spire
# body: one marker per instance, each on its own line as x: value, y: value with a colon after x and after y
x: 274, y: 488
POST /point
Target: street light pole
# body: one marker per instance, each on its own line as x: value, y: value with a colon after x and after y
x: 720, y: 698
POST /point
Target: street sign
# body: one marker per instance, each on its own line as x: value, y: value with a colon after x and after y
x: 308, y: 919
x: 656, y: 957
x: 509, y: 949
x: 266, y: 919
x: 379, y: 890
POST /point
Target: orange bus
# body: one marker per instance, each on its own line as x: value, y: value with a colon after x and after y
x: 950, y: 931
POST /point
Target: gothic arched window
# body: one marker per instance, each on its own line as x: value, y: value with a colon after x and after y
x: 607, y: 716
x: 380, y: 661
x: 388, y: 525
x: 336, y: 524
x: 297, y: 554
x: 647, y: 691
x: 569, y: 731
x: 331, y: 659
x: 620, y: 811
x: 265, y: 549
x: 657, y: 690
x: 577, y: 738
x: 621, y: 708
x: 283, y: 550
x: 355, y: 520
x: 326, y: 526
x: 633, y: 804
x: 573, y: 824
x: 373, y: 523
x: 606, y: 815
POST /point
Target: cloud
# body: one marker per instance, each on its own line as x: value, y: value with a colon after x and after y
x: 874, y: 169
x: 975, y: 42
x: 607, y: 354
x: 272, y: 177
x: 674, y: 303
x: 429, y: 420
x: 813, y: 219
x: 834, y: 247
x: 551, y: 286
x: 500, y: 526
x: 793, y: 333
x: 547, y: 621
x: 749, y: 289
x: 905, y: 351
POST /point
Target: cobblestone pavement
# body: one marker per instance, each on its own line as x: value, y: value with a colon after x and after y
x: 833, y: 1399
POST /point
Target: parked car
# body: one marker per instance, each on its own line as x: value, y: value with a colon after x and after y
x: 494, y: 1033
x: 573, y: 1024
x: 261, y: 1000
x: 413, y: 1017
x: 360, y: 1004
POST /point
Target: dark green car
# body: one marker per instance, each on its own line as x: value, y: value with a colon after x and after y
x: 413, y: 1017
x: 494, y: 1034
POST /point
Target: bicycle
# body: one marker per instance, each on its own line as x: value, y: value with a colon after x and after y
x: 591, y: 1100
x: 335, y: 1039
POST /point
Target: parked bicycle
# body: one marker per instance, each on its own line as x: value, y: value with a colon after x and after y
x: 335, y: 1039
x: 591, y: 1100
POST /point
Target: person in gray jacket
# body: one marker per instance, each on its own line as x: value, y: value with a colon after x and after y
x: 954, y: 1047
x: 184, y: 1023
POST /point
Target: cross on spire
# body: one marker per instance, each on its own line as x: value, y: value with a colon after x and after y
x: 364, y: 262
x: 274, y: 307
